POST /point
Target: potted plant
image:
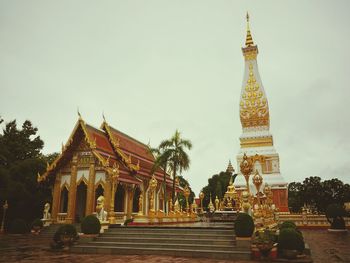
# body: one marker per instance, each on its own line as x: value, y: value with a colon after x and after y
x: 265, y: 241
x: 37, y: 225
x: 290, y: 243
x: 244, y: 228
x: 65, y: 236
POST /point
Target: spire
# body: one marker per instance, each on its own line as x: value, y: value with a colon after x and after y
x: 230, y: 168
x: 249, y: 39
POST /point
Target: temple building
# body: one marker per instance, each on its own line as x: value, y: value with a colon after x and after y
x: 103, y: 162
x: 256, y: 140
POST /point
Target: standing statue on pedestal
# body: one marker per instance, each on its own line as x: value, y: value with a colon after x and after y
x: 101, y: 214
x: 46, y: 212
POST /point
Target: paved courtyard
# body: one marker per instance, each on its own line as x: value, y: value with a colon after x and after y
x: 325, y: 247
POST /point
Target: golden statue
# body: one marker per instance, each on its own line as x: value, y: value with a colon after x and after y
x: 231, y: 197
x: 217, y: 203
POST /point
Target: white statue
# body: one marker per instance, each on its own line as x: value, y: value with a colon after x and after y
x: 46, y: 212
x: 101, y: 214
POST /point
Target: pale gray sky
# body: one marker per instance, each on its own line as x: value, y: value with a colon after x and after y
x: 156, y: 66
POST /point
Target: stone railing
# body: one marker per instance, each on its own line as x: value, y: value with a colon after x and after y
x: 61, y: 218
x: 309, y: 220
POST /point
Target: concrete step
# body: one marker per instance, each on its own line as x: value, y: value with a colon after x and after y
x: 171, y: 230
x: 146, y: 239
x: 189, y: 235
x: 133, y: 250
x: 164, y: 245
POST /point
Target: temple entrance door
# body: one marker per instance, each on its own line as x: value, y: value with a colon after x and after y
x: 80, y: 202
x: 119, y: 199
x: 135, y: 200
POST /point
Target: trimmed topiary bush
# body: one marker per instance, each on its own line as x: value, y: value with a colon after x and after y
x: 90, y: 225
x: 37, y: 223
x: 335, y: 214
x: 18, y: 226
x: 244, y: 225
x: 288, y: 224
x: 291, y: 239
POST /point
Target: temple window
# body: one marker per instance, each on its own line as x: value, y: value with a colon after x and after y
x: 64, y: 200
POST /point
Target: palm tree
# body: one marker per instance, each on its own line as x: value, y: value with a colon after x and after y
x: 161, y: 160
x: 174, y: 153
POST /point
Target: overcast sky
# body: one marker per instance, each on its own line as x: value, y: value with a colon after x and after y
x: 156, y: 66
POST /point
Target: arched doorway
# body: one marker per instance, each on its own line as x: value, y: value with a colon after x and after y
x: 161, y: 199
x: 135, y: 200
x: 98, y: 192
x: 80, y: 202
x: 119, y: 199
x: 64, y: 200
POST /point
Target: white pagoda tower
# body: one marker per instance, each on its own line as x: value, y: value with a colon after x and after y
x: 256, y: 140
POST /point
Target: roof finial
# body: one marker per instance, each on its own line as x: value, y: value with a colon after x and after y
x: 80, y: 118
x: 249, y: 40
x: 103, y: 116
x: 247, y: 21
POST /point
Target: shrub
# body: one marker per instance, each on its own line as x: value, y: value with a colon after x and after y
x: 288, y: 224
x: 37, y: 223
x: 244, y: 225
x: 127, y: 221
x: 338, y: 223
x: 90, y: 225
x: 290, y: 238
x: 334, y: 214
x: 69, y: 231
x: 18, y: 226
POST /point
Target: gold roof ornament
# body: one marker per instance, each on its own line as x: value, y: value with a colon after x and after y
x: 249, y: 39
x: 254, y: 110
x: 257, y: 181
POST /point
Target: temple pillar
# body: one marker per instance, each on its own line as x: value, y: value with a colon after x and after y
x: 129, y: 195
x: 107, y: 193
x: 90, y: 189
x: 56, y: 197
x: 72, y: 192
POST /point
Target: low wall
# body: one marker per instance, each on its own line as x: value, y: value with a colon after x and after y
x: 309, y: 220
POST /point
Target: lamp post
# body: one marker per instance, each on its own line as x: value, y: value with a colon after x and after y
x: 246, y: 169
x: 5, y: 206
x: 201, y: 197
x: 187, y: 193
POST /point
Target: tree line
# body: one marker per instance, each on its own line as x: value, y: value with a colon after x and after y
x: 317, y: 194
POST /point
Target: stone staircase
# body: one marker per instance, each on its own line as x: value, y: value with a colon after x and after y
x: 207, y: 242
x: 49, y: 231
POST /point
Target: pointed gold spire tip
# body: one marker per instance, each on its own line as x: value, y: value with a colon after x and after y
x: 249, y: 39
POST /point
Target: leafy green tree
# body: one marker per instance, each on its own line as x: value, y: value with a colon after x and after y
x: 317, y: 194
x: 161, y: 160
x: 20, y: 161
x: 295, y: 197
x: 217, y: 186
x: 182, y: 200
x: 174, y: 151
